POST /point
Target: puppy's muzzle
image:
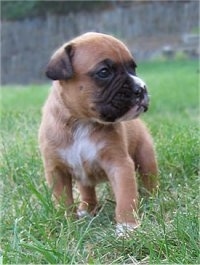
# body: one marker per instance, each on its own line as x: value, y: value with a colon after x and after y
x: 139, y: 90
x: 125, y: 97
x: 142, y: 98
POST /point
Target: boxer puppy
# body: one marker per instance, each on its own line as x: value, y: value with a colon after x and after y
x: 90, y: 130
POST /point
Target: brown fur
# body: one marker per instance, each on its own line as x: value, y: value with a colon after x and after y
x: 70, y: 104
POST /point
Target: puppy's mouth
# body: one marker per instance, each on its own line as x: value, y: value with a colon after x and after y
x: 123, y: 100
x: 135, y: 111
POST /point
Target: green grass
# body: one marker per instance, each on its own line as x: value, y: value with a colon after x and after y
x: 33, y: 231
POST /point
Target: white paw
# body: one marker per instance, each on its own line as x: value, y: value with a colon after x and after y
x: 125, y: 229
x: 82, y: 213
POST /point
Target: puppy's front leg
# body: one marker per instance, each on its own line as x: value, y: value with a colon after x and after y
x: 88, y: 203
x: 122, y: 177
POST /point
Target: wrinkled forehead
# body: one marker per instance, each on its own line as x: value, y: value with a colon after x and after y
x: 89, y: 53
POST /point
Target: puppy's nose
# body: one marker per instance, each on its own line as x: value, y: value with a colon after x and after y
x: 139, y: 86
x: 139, y: 90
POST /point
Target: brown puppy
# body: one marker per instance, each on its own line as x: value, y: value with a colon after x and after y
x: 90, y: 130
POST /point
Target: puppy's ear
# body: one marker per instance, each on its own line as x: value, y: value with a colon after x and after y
x: 60, y: 65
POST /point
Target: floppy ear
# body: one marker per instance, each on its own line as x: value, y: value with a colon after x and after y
x: 60, y: 65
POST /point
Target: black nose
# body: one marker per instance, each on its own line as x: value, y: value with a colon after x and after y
x: 138, y: 90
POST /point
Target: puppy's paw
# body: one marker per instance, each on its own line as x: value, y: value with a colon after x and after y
x: 83, y: 213
x: 125, y: 229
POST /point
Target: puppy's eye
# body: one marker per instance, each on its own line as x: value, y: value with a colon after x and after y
x: 104, y: 73
x: 132, y: 68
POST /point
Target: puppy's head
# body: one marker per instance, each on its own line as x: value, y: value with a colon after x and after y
x: 97, y: 75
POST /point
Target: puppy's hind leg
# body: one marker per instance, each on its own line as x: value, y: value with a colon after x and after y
x: 145, y: 160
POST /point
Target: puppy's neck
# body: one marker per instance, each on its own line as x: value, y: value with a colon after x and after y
x: 63, y: 114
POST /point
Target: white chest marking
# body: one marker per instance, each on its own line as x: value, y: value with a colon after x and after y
x: 82, y: 149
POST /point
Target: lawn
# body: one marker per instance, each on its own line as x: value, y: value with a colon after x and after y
x: 34, y: 231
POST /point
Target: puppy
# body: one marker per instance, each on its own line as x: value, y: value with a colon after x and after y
x: 90, y: 130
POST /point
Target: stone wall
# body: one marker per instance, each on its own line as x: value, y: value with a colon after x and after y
x: 28, y: 44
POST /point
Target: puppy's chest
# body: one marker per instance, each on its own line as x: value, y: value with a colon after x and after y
x: 81, y: 156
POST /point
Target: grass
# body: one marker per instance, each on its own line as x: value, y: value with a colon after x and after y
x: 34, y: 231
